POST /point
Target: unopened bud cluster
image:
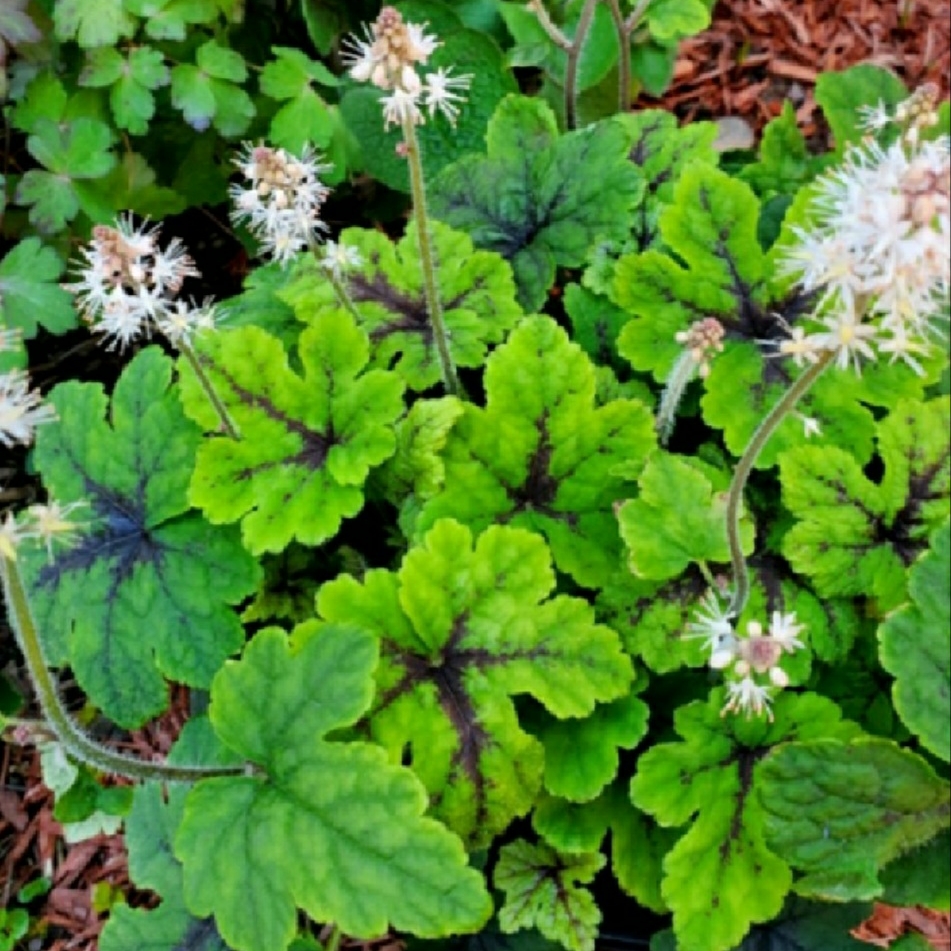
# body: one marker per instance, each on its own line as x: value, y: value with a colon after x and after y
x: 879, y: 256
x: 703, y: 341
x: 127, y: 285
x: 752, y: 660
x: 280, y: 199
x: 389, y: 56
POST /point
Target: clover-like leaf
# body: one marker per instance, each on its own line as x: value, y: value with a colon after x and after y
x: 915, y: 646
x: 72, y: 153
x: 674, y: 20
x: 143, y: 594
x: 462, y: 629
x: 854, y: 536
x: 130, y: 80
x: 542, y: 455
x: 543, y: 889
x: 29, y: 292
x: 721, y: 877
x: 839, y: 811
x: 92, y: 22
x: 475, y: 287
x: 536, y: 196
x: 170, y: 19
x: 677, y: 519
x: 206, y: 93
x: 305, y: 444
x: 331, y: 828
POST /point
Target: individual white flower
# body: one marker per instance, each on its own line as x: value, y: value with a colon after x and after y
x: 11, y: 535
x: 400, y: 107
x: 21, y: 409
x: 848, y: 338
x: 51, y: 522
x: 183, y: 320
x: 442, y: 92
x: 280, y: 199
x: 338, y: 259
x: 810, y: 426
x: 9, y: 339
x: 748, y: 697
x: 784, y: 630
x: 715, y: 625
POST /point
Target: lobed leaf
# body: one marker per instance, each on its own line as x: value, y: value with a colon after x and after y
x: 30, y: 294
x: 537, y: 198
x: 915, y: 647
x: 542, y: 889
x: 356, y: 851
x: 463, y: 628
x: 542, y: 455
x: 142, y: 561
x: 306, y: 443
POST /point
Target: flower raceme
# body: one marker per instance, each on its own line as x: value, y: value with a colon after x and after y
x: 388, y: 57
x: 753, y: 659
x: 280, y: 199
x: 127, y: 285
x: 879, y: 256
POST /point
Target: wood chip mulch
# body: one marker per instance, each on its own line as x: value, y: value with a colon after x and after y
x: 756, y: 54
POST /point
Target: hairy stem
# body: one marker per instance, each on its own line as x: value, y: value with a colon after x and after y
x: 574, y: 57
x: 427, y: 259
x: 545, y: 21
x: 77, y: 744
x: 741, y: 578
x: 624, y: 57
x: 227, y: 423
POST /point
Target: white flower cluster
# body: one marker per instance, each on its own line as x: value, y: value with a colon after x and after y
x: 879, y: 256
x: 21, y: 409
x: 128, y: 284
x: 280, y: 199
x: 751, y: 659
x: 388, y: 56
x: 49, y: 523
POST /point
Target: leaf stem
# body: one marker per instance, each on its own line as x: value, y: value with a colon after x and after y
x: 574, y: 57
x: 741, y: 579
x: 227, y: 423
x: 624, y: 57
x: 77, y: 744
x: 333, y: 939
x: 427, y: 260
x: 546, y: 23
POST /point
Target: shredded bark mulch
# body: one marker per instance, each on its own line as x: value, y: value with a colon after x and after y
x: 757, y: 54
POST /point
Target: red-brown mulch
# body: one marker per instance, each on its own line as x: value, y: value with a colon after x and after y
x: 756, y: 54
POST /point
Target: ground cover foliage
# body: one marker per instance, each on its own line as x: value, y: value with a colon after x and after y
x: 442, y: 632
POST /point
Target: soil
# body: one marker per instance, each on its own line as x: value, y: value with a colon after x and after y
x: 757, y: 54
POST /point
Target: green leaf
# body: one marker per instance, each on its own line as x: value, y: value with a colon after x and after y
x: 711, y: 227
x: 853, y: 536
x: 476, y: 288
x: 542, y: 455
x: 205, y: 91
x: 674, y: 20
x: 140, y: 553
x: 466, y: 52
x: 542, y: 890
x: 573, y: 826
x: 461, y: 629
x: 16, y: 27
x: 676, y: 519
x: 536, y: 197
x: 581, y: 756
x: 638, y: 849
x: 915, y: 647
x: 305, y: 120
x: 30, y: 294
x: 721, y: 877
x: 170, y: 19
x: 130, y: 82
x: 811, y: 926
x: 783, y: 162
x: 45, y: 98
x: 307, y: 443
x: 346, y: 839
x: 921, y: 876
x: 92, y: 22
x: 292, y: 72
x: 841, y: 96
x: 839, y: 811
x: 131, y: 185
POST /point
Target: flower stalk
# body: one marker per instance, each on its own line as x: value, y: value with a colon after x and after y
x: 77, y: 744
x: 227, y: 423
